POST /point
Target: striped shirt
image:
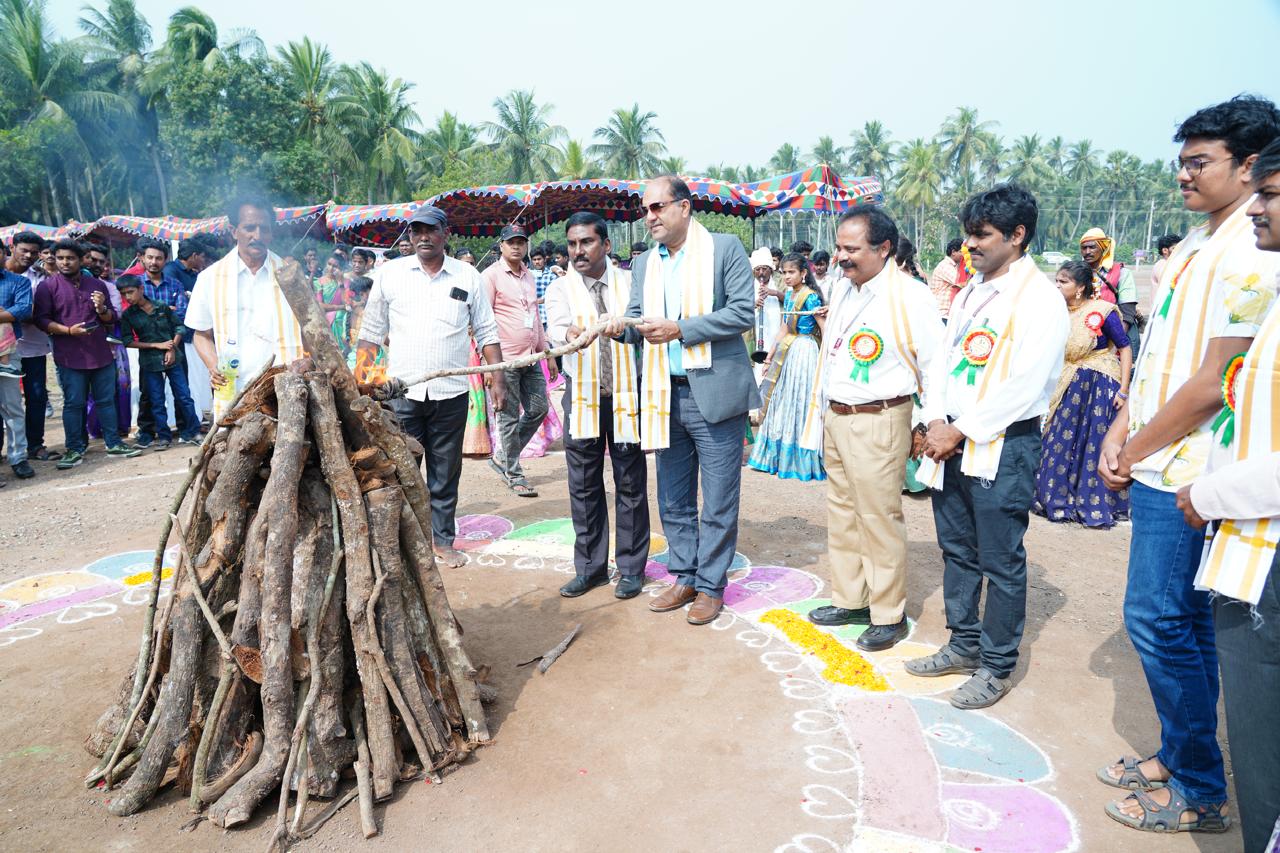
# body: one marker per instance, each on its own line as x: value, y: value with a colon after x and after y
x: 427, y: 322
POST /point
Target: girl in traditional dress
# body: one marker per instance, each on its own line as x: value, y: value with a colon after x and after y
x: 789, y: 372
x: 331, y: 293
x: 1094, y: 384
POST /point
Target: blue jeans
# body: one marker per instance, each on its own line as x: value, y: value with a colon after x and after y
x: 77, y: 385
x: 33, y: 385
x: 154, y: 383
x: 1171, y: 626
x: 700, y: 552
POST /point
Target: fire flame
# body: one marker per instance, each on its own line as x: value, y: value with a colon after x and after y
x: 368, y: 371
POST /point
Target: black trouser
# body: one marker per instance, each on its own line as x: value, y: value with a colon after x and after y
x: 587, y: 503
x: 438, y: 425
x: 980, y: 525
x: 35, y: 386
x: 1249, y: 658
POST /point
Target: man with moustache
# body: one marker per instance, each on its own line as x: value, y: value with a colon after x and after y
x: 1213, y: 296
x: 601, y: 410
x: 1112, y: 280
x: 240, y: 318
x: 696, y: 296
x: 881, y: 334
x: 1240, y: 492
x: 422, y: 307
x: 987, y: 389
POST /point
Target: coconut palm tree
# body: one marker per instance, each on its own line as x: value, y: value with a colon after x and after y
x: 785, y: 159
x: 872, y: 152
x: 826, y: 151
x: 919, y: 180
x: 310, y: 68
x: 1026, y: 163
x: 965, y: 141
x: 193, y: 37
x: 448, y: 143
x: 1082, y: 168
x: 673, y: 165
x: 381, y: 126
x: 630, y: 146
x: 524, y: 134
x: 576, y: 165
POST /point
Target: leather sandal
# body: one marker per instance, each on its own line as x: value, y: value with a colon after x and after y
x: 1158, y: 818
x: 1132, y: 778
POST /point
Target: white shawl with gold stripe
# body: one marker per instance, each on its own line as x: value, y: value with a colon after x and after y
x: 583, y: 366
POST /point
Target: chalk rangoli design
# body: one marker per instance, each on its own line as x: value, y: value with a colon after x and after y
x: 898, y: 768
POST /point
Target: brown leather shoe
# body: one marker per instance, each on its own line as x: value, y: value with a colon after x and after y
x: 705, y: 609
x: 676, y: 596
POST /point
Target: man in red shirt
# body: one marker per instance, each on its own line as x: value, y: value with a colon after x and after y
x: 513, y: 294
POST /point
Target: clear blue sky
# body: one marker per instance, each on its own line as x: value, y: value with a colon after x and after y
x: 731, y: 81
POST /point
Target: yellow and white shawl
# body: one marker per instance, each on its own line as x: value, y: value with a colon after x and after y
x: 276, y: 324
x: 583, y: 366
x: 1227, y: 268
x: 697, y: 288
x: 895, y: 284
x: 1237, y: 559
x: 982, y: 460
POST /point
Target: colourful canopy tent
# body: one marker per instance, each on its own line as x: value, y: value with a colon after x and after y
x: 8, y: 232
x: 818, y: 189
x: 125, y: 230
x: 369, y: 224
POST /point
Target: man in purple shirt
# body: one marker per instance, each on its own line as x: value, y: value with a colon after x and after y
x: 74, y: 310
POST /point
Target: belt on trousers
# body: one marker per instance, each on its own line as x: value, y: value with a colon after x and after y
x: 868, y: 408
x: 1022, y: 427
x: 679, y: 380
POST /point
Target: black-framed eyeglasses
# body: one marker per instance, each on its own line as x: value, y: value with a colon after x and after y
x: 1193, y: 165
x: 658, y: 206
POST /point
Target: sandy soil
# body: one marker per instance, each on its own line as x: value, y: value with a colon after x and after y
x: 649, y: 734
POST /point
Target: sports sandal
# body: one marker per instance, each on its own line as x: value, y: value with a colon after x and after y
x: 982, y: 690
x: 942, y: 662
x: 1132, y: 778
x: 1158, y: 818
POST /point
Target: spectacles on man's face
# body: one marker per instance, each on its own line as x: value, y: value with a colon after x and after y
x: 658, y: 206
x: 1193, y: 166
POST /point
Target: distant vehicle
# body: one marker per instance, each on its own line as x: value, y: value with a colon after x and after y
x: 1055, y: 258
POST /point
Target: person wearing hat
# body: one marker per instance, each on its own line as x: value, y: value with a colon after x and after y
x: 1111, y: 281
x: 513, y: 293
x: 768, y: 297
x: 237, y: 311
x: 427, y: 306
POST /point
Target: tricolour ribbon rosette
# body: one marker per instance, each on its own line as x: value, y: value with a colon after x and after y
x: 865, y: 347
x: 976, y: 349
x: 1226, y: 419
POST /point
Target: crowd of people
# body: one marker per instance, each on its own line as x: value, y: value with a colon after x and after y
x: 1001, y: 391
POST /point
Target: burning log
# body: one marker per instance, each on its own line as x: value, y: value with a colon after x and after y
x: 308, y: 637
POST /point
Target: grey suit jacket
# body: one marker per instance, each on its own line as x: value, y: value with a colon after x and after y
x: 727, y: 387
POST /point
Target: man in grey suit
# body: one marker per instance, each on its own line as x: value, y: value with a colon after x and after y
x: 709, y: 405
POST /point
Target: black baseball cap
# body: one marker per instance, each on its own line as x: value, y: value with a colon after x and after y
x: 512, y: 231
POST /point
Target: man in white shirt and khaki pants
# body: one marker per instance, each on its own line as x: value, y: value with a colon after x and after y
x: 988, y: 388
x: 881, y: 334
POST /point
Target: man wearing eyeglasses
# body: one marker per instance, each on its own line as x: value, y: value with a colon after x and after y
x: 696, y: 296
x: 1213, y: 295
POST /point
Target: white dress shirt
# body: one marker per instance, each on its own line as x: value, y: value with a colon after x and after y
x: 255, y: 296
x: 1037, y: 356
x: 560, y: 309
x: 428, y: 322
x: 1242, y: 490
x: 853, y: 308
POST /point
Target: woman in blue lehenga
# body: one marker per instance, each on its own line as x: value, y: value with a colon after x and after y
x: 1094, y: 384
x: 789, y: 373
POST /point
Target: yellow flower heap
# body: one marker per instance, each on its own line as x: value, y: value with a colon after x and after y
x: 844, y: 665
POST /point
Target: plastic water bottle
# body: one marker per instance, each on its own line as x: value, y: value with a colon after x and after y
x: 229, y: 368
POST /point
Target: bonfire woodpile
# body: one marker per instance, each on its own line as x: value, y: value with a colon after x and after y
x: 308, y: 640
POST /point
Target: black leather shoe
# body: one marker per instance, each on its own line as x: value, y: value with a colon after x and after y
x: 629, y: 586
x: 23, y: 470
x: 835, y: 616
x: 580, y: 585
x: 877, y: 638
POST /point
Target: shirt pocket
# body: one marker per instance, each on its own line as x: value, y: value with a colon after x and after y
x: 451, y: 314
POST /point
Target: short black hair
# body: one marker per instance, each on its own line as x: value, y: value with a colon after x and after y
x: 30, y: 238
x: 402, y: 239
x: 151, y: 243
x: 69, y: 245
x: 361, y: 283
x: 192, y: 246
x: 1168, y: 241
x: 1081, y: 273
x: 679, y: 189
x: 1268, y: 162
x: 1003, y: 207
x: 463, y: 250
x: 585, y: 218
x: 92, y: 246
x: 536, y: 252
x: 639, y: 246
x: 128, y: 280
x: 776, y: 252
x: 822, y: 256
x: 390, y: 254
x: 954, y: 245
x: 561, y: 250
x: 1245, y: 124
x: 801, y: 246
x: 363, y: 253
x: 881, y: 228
x: 256, y: 202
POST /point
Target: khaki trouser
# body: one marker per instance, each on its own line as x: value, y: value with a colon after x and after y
x: 866, y: 460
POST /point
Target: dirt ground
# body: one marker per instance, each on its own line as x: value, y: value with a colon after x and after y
x: 648, y: 734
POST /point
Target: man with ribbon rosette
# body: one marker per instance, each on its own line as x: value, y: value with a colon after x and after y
x: 601, y: 408
x: 1215, y: 291
x: 987, y: 389
x: 1240, y: 492
x: 883, y: 329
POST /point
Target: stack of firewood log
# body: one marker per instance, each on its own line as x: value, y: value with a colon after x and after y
x: 308, y: 638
